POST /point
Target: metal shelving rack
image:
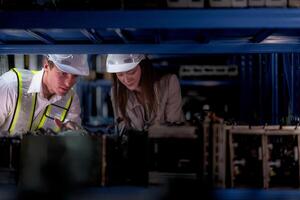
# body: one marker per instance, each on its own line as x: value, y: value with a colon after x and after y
x: 270, y: 31
x: 189, y: 31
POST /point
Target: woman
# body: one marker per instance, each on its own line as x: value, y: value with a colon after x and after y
x: 141, y: 97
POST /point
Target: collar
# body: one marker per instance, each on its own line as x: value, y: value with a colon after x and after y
x: 132, y: 101
x: 36, y: 82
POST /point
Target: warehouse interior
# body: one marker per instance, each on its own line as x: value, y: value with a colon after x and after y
x: 237, y: 61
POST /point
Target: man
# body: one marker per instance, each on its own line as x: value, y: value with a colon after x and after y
x: 43, y: 99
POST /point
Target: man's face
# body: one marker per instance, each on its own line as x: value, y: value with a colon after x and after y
x: 57, y: 81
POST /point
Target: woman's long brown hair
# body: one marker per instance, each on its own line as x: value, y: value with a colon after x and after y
x: 148, y: 78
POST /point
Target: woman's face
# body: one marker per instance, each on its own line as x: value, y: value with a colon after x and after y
x: 131, y: 78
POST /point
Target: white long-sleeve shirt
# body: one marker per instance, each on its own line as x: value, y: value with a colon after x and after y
x: 9, y: 93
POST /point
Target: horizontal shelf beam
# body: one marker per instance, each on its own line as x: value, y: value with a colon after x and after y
x: 207, y: 83
x: 150, y: 48
x: 189, y: 18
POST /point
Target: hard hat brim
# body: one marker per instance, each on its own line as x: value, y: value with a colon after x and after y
x: 71, y: 70
x: 121, y: 67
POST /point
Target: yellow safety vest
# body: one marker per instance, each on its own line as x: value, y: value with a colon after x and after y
x: 23, y: 115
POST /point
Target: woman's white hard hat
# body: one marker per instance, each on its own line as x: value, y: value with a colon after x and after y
x: 76, y: 64
x: 122, y: 62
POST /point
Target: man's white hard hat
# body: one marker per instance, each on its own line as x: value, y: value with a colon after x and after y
x: 122, y: 62
x: 76, y: 64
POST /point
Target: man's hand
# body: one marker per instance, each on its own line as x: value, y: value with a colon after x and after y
x: 70, y: 125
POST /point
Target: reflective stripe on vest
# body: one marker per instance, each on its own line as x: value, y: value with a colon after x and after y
x: 16, y: 113
x: 21, y: 122
x: 62, y: 117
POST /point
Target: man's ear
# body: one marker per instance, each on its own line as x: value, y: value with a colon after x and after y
x: 46, y: 64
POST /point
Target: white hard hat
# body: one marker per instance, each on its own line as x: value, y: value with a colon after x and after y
x: 71, y: 63
x: 122, y: 62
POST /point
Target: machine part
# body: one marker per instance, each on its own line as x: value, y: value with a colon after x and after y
x: 56, y: 165
x: 245, y: 158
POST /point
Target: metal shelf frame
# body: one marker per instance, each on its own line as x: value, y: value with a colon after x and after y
x: 198, y: 18
x: 263, y: 23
